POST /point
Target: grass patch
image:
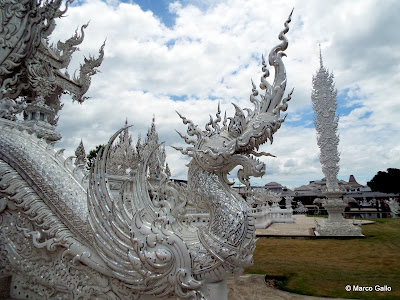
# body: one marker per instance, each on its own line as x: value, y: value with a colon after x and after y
x: 323, y: 267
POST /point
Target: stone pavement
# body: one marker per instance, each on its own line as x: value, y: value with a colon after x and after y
x: 302, y: 226
x: 253, y: 287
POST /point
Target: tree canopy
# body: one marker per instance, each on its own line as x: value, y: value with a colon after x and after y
x: 92, y: 156
x: 386, y: 182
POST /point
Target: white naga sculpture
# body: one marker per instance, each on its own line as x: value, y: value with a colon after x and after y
x: 394, y: 207
x: 326, y: 123
x: 59, y: 240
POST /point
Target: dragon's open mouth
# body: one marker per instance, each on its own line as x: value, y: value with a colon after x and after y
x: 257, y: 165
x: 251, y: 166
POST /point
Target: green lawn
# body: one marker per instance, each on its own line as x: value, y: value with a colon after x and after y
x: 323, y: 267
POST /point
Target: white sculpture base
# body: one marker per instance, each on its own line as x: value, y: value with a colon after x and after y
x: 336, y: 224
x: 281, y: 215
x: 212, y: 291
x: 215, y: 291
x: 265, y: 216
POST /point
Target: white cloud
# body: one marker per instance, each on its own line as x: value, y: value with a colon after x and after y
x: 213, y: 50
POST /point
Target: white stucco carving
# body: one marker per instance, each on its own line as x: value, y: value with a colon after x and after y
x: 394, y: 207
x: 65, y: 235
x: 323, y: 97
x: 31, y: 70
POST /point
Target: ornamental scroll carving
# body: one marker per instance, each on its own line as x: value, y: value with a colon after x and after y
x: 76, y: 239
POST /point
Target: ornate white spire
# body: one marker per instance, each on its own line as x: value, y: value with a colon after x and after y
x: 323, y: 97
x: 122, y: 154
x: 326, y: 123
x: 80, y: 155
x: 156, y: 160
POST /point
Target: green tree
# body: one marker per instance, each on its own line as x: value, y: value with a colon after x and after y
x: 92, y: 156
x: 386, y: 182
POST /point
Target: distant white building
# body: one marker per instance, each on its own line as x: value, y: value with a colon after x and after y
x: 271, y: 186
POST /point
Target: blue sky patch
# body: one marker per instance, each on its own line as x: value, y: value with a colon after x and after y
x: 347, y: 102
x: 303, y: 118
x: 178, y: 98
x: 160, y: 9
x: 170, y: 43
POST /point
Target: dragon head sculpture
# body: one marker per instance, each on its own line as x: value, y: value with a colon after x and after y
x: 220, y: 149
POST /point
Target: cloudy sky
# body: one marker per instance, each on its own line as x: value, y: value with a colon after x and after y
x: 188, y: 55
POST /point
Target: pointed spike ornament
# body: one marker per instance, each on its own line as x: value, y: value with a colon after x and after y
x: 265, y: 85
x: 192, y: 128
x: 218, y: 115
x: 225, y: 120
x: 184, y: 151
x: 186, y: 138
x: 284, y: 105
x: 237, y: 123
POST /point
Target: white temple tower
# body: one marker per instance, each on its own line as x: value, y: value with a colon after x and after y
x: 324, y: 101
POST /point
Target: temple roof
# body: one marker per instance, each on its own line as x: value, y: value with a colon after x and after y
x: 353, y: 182
x: 273, y: 184
x: 303, y: 188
